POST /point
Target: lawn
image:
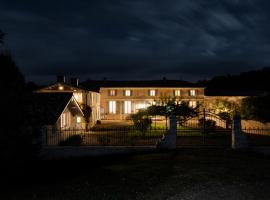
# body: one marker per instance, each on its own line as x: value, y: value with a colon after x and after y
x: 182, y: 174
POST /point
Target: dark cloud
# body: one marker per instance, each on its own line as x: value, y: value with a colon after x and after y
x: 137, y: 39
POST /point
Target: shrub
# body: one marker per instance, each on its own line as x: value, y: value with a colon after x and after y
x: 141, y: 121
x: 226, y: 117
x: 74, y: 140
x: 103, y: 140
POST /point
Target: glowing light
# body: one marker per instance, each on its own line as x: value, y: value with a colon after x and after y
x: 60, y: 87
x: 112, y: 107
x: 141, y: 106
x: 177, y: 93
x: 152, y: 92
x: 127, y: 106
x: 78, y: 97
x: 78, y: 119
x: 127, y: 93
x: 192, y: 93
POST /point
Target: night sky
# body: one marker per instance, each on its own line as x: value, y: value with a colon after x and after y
x: 139, y: 39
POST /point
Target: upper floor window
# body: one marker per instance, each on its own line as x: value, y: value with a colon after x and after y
x: 192, y: 93
x: 177, y: 93
x: 152, y: 93
x: 127, y: 93
x: 112, y: 92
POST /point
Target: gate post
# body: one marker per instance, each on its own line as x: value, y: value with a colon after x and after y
x: 169, y: 140
x: 239, y: 140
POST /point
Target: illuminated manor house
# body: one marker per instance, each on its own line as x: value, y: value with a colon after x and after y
x: 116, y: 100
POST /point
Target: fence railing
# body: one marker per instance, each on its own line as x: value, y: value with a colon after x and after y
x: 257, y: 136
x: 102, y: 137
x: 256, y: 131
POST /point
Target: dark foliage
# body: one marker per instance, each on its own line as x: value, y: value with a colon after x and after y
x: 256, y: 108
x: 208, y: 124
x: 246, y: 82
x: 87, y: 110
x: 142, y: 121
x: 1, y: 37
x: 74, y: 140
x: 17, y: 143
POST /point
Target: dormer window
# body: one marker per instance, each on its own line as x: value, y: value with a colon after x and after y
x: 192, y: 93
x: 112, y: 93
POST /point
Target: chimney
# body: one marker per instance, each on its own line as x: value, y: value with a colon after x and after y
x: 61, y: 79
x: 74, y: 81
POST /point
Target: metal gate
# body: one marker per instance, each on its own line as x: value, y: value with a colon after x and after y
x: 206, y: 129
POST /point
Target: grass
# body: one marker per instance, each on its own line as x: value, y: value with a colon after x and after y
x: 182, y: 174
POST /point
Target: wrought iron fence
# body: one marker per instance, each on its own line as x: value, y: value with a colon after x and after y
x: 257, y: 136
x: 205, y: 129
x: 128, y: 136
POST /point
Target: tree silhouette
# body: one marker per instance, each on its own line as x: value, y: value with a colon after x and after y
x: 16, y: 136
x: 1, y: 37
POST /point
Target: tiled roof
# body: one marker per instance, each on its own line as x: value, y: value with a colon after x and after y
x: 96, y: 84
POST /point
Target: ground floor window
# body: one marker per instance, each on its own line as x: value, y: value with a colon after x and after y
x: 127, y: 107
x: 65, y: 120
x: 79, y: 120
x: 192, y: 104
x: 112, y: 107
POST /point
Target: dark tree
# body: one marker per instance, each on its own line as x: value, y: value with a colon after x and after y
x: 16, y: 136
x: 1, y: 37
x: 256, y: 108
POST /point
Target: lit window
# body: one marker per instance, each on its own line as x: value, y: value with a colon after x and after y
x: 78, y: 97
x: 177, y: 93
x: 79, y: 120
x: 192, y: 93
x: 152, y: 93
x: 192, y: 104
x: 112, y: 92
x: 65, y: 119
x: 112, y: 107
x: 127, y: 106
x: 140, y: 106
x: 60, y: 87
x: 127, y: 93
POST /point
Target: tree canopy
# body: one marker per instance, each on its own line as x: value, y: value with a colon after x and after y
x: 256, y: 108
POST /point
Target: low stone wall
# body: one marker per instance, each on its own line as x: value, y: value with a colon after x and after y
x: 251, y: 124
